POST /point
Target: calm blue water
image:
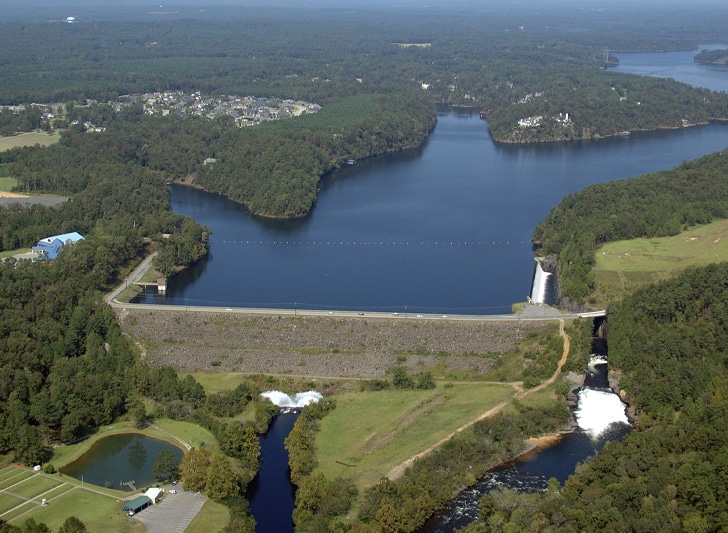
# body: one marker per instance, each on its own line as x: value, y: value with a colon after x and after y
x: 120, y: 458
x: 271, y: 494
x: 677, y: 65
x: 445, y: 228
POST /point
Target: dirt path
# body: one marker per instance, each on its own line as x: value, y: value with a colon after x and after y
x: 398, y: 471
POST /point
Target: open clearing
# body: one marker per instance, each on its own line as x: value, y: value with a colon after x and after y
x: 28, y: 139
x: 387, y: 427
x: 7, y: 184
x: 624, y: 266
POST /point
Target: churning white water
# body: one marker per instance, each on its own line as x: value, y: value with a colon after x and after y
x: 538, y: 290
x: 301, y: 399
x: 598, y: 409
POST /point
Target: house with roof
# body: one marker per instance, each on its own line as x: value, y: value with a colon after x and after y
x: 136, y: 505
x: 47, y: 249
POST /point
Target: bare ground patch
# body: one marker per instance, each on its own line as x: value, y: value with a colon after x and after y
x: 317, y: 346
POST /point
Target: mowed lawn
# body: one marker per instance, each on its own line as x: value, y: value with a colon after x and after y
x: 624, y: 266
x: 370, y: 433
x: 7, y: 184
x: 28, y: 139
x: 22, y: 493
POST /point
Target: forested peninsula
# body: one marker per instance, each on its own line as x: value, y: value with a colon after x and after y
x: 712, y: 57
x: 655, y: 205
x: 377, y: 85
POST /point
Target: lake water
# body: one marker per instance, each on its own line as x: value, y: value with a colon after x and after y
x: 445, y: 228
x: 679, y: 66
x: 120, y: 458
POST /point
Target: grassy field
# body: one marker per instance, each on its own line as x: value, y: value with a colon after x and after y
x: 192, y: 434
x: 28, y: 139
x: 384, y: 429
x: 624, y: 266
x: 24, y: 490
x: 11, y: 253
x: 212, y: 517
x: 7, y: 184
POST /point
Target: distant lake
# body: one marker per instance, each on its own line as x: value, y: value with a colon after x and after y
x: 678, y: 66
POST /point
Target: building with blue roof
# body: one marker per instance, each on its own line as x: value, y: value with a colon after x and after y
x: 47, y: 249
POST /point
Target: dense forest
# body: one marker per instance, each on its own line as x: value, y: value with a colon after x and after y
x: 717, y: 57
x: 655, y: 205
x: 274, y: 168
x: 377, y: 91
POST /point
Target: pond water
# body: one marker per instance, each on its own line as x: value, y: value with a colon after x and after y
x: 118, y: 459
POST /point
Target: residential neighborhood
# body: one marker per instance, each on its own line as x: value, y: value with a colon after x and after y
x: 245, y: 110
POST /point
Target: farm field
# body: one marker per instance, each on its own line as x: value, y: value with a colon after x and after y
x: 624, y: 266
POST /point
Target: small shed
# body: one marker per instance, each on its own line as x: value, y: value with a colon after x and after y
x: 136, y: 505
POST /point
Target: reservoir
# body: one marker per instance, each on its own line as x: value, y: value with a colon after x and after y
x: 677, y: 65
x: 445, y: 228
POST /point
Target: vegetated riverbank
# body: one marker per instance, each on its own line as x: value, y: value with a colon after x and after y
x: 354, y: 347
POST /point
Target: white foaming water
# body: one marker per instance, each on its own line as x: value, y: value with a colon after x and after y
x: 538, y: 291
x: 301, y: 399
x: 597, y: 410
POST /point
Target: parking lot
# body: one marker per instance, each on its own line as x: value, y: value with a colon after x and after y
x: 174, y: 512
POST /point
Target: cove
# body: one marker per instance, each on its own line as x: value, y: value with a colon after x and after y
x: 118, y: 459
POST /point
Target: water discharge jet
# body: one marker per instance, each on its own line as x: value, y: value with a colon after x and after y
x: 597, y: 410
x: 540, y: 284
x: 297, y: 401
